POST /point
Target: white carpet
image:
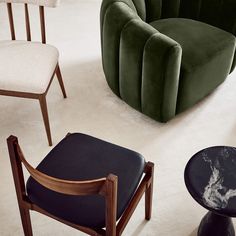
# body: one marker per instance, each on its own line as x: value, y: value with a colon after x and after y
x: 92, y: 108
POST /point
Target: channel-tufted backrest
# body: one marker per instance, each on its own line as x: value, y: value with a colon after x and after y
x: 140, y: 6
x: 45, y: 3
x: 219, y: 13
x: 150, y: 10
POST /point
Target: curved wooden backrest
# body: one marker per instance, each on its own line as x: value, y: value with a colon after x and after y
x: 45, y: 3
x: 87, y: 187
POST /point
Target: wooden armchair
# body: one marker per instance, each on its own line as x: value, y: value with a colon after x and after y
x: 28, y: 68
x: 84, y: 182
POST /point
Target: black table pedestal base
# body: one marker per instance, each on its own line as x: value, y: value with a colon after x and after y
x: 217, y: 225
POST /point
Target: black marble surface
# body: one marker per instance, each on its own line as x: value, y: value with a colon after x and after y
x: 210, y: 177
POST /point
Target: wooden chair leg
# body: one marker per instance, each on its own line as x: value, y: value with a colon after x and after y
x: 44, y: 110
x: 19, y: 182
x: 111, y: 205
x: 26, y: 222
x: 59, y: 77
x: 149, y: 192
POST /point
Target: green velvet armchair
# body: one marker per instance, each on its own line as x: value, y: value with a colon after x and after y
x: 163, y: 56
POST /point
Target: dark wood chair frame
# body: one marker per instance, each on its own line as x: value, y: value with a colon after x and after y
x: 107, y: 187
x: 57, y: 71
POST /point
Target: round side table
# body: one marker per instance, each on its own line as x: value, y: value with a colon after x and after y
x: 210, y: 177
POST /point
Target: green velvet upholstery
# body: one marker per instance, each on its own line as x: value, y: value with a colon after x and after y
x: 163, y: 56
x: 205, y: 61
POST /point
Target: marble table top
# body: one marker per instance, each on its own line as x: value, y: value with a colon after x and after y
x: 210, y: 177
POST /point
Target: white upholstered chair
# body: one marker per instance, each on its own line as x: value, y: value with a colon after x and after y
x: 27, y: 68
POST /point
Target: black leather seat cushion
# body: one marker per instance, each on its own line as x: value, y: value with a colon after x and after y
x: 82, y: 157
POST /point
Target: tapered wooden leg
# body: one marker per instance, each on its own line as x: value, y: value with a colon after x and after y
x: 149, y: 192
x: 59, y: 77
x: 26, y: 222
x: 43, y: 105
x: 19, y: 182
x: 111, y: 205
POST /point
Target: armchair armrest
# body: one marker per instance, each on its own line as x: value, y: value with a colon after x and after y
x: 141, y: 65
x: 149, y: 70
x: 114, y: 16
x: 161, y: 70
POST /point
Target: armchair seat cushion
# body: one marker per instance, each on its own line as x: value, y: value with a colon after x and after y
x: 26, y: 66
x: 207, y: 56
x: 82, y: 157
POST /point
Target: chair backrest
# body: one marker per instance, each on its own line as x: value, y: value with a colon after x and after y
x: 219, y: 13
x: 45, y: 3
x: 86, y: 187
x: 41, y: 4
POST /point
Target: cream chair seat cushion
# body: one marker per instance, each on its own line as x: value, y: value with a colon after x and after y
x: 26, y: 66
